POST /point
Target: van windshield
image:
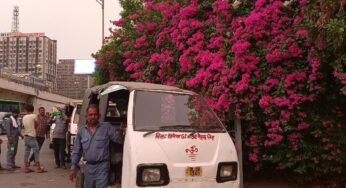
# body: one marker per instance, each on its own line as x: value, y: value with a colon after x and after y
x: 173, y: 112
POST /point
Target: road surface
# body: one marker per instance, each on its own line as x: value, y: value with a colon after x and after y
x: 53, y: 178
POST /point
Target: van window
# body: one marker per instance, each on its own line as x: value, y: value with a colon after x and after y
x: 112, y: 110
x: 156, y: 110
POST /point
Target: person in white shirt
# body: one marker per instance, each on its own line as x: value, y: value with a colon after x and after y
x: 30, y: 124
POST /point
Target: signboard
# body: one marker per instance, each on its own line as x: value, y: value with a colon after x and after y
x: 84, y: 66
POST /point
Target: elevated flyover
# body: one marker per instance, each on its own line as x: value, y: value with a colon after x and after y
x: 30, y: 93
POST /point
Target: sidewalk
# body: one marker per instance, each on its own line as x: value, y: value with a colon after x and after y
x: 54, y: 178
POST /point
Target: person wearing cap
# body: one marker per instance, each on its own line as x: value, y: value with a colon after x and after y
x: 13, y: 134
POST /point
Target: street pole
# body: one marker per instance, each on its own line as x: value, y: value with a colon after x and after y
x: 238, y: 143
x: 102, y: 3
x: 238, y: 140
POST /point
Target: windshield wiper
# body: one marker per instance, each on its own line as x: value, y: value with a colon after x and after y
x: 170, y: 127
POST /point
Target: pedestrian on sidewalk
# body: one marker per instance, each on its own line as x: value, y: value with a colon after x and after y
x: 30, y: 124
x: 59, y: 137
x: 42, y: 123
x: 13, y: 133
x: 94, y: 152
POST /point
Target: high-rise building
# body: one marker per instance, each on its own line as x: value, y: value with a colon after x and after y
x: 29, y: 53
x: 70, y: 84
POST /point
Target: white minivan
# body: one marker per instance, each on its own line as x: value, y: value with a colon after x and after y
x: 171, y: 137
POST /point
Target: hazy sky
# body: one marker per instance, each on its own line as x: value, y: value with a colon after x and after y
x: 75, y: 24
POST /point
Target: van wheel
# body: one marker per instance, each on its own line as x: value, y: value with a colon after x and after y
x: 79, y: 180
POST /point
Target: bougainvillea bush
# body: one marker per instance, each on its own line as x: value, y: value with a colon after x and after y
x: 256, y: 54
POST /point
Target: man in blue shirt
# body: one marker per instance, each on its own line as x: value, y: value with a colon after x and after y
x: 92, y: 143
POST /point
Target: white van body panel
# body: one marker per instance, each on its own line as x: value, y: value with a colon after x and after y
x: 178, y: 150
x: 73, y: 125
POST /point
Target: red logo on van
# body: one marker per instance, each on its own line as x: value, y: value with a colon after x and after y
x: 192, y: 152
x: 193, y: 149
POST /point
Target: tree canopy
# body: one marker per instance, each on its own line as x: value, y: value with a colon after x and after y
x: 283, y: 67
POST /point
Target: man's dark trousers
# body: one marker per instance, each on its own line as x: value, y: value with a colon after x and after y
x: 59, y: 145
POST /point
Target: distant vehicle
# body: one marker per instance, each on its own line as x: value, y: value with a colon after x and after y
x: 172, y: 138
x: 8, y: 105
x: 3, y: 117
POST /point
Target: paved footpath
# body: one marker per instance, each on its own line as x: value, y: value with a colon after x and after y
x: 53, y: 178
x: 56, y: 178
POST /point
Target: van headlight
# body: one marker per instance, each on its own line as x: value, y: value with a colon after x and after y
x: 152, y: 175
x: 227, y: 171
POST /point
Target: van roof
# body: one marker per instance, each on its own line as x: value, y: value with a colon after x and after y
x: 131, y: 86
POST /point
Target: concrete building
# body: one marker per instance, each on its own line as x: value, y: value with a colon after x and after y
x: 29, y: 53
x: 70, y: 84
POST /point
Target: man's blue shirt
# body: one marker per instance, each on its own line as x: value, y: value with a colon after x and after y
x: 94, y: 147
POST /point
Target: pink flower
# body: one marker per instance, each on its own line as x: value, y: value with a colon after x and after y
x: 127, y: 54
x: 275, y: 137
x: 139, y: 26
x: 151, y: 26
x: 140, y: 41
x: 119, y: 22
x: 260, y: 3
x: 253, y: 18
x: 293, y: 137
x: 274, y: 56
x: 133, y: 16
x: 265, y: 101
x: 242, y: 85
x: 196, y: 23
x: 98, y: 62
x: 137, y: 75
x: 302, y: 32
x: 253, y: 157
x: 188, y: 11
x: 294, y: 50
x: 302, y: 126
x: 286, y: 115
x: 240, y: 47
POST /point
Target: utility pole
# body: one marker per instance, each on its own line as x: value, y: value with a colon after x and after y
x: 238, y: 140
x: 102, y: 3
x: 238, y: 143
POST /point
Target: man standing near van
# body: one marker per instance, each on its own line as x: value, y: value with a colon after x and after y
x: 92, y: 142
